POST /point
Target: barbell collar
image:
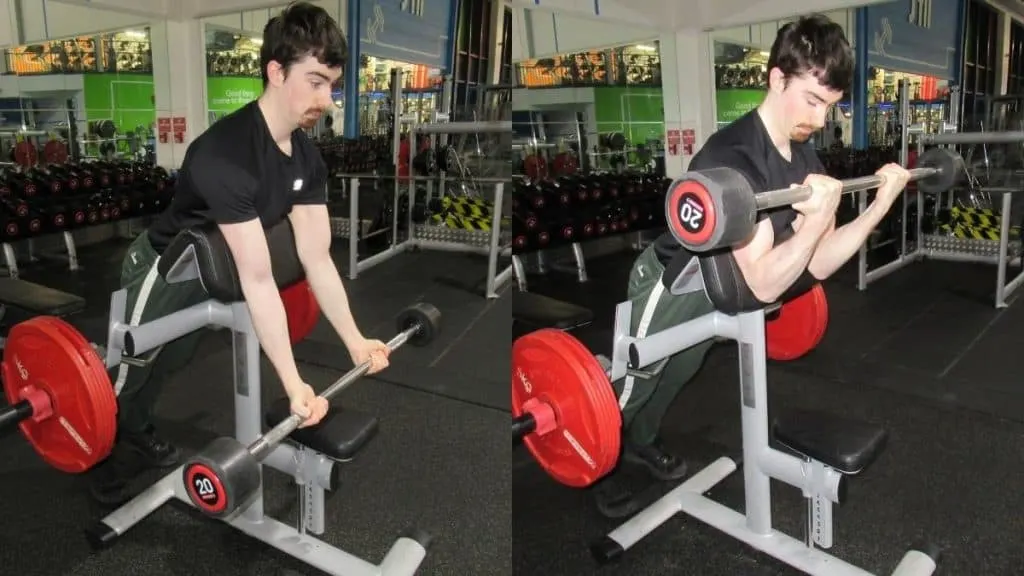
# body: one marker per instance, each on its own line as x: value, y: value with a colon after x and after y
x: 789, y: 196
x: 266, y: 443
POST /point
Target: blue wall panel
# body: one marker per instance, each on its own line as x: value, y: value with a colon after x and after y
x: 915, y: 36
x: 416, y: 31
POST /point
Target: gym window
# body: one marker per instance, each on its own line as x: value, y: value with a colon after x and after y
x: 979, y: 77
x: 473, y: 49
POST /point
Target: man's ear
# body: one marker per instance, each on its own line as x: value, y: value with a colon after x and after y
x: 776, y: 79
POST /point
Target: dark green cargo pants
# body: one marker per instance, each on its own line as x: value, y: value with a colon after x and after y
x: 645, y: 402
x: 149, y: 298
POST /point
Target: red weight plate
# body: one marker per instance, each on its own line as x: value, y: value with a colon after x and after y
x: 99, y: 378
x: 564, y: 164
x: 535, y: 167
x: 96, y: 378
x: 80, y: 432
x: 302, y: 309
x: 98, y: 382
x: 25, y: 154
x: 691, y: 212
x: 557, y: 369
x: 601, y: 396
x: 799, y: 326
x: 55, y: 152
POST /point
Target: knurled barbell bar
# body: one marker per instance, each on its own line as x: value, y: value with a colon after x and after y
x: 224, y: 475
x: 717, y: 207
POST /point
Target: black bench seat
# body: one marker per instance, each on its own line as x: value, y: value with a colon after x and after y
x: 339, y: 435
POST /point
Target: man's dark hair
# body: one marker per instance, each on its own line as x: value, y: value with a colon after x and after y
x: 301, y: 30
x: 814, y: 45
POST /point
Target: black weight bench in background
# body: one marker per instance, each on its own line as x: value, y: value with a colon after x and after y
x: 36, y: 299
x: 535, y: 311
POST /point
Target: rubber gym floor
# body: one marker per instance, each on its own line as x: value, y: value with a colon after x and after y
x: 922, y: 352
x: 439, y: 461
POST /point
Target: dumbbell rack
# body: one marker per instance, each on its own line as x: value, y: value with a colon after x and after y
x: 1002, y: 253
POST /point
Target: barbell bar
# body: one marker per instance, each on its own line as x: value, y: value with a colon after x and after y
x: 226, y: 473
x: 717, y: 208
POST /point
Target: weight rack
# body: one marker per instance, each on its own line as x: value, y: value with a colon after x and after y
x: 1002, y: 253
x: 492, y: 243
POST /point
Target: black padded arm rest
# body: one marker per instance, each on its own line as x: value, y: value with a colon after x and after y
x: 38, y: 299
x: 339, y: 435
x: 204, y: 254
x: 728, y: 290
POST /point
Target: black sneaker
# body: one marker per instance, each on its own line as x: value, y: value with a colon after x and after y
x: 660, y: 463
x: 614, y: 499
x: 155, y: 451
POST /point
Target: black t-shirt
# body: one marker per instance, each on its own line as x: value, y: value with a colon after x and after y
x: 746, y: 146
x: 235, y: 172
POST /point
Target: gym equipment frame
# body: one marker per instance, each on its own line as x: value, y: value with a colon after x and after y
x: 425, y: 236
x: 1002, y: 253
x: 313, y: 472
x: 821, y: 483
x: 489, y: 243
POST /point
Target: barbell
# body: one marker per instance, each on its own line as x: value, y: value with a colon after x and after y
x: 59, y: 392
x: 717, y: 207
x: 225, y: 474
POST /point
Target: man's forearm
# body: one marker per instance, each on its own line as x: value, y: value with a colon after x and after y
x: 838, y: 247
x: 271, y: 324
x: 782, y: 265
x: 326, y: 283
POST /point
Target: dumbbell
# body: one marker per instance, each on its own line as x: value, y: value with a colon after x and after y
x: 226, y: 474
x: 717, y: 207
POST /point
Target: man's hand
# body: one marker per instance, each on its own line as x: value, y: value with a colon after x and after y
x: 307, y: 405
x: 825, y: 195
x: 894, y: 180
x: 373, y: 351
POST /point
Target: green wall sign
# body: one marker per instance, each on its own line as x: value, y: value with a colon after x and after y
x: 225, y: 94
x: 735, y: 102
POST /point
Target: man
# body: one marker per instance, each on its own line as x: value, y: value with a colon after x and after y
x: 246, y: 173
x: 810, y: 66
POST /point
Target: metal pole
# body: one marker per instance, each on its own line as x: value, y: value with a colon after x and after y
x: 351, y: 128
x: 464, y: 127
x: 904, y: 155
x: 973, y: 138
x: 398, y: 108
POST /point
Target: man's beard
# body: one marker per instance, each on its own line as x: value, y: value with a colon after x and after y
x: 801, y: 133
x: 310, y: 118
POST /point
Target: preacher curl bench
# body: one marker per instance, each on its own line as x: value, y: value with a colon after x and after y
x: 312, y: 453
x: 827, y: 449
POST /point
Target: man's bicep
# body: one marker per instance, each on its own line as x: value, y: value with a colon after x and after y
x: 312, y: 227
x: 748, y: 255
x: 247, y: 242
x: 229, y: 192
